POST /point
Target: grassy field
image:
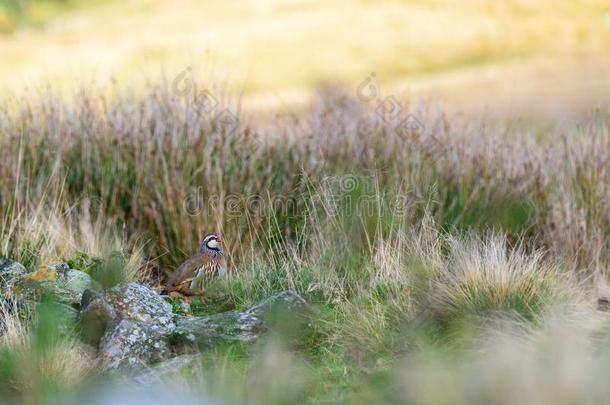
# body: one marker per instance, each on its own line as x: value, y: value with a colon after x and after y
x: 450, y: 256
x: 467, y: 254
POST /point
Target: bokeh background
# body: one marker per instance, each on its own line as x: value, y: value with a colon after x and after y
x: 525, y: 58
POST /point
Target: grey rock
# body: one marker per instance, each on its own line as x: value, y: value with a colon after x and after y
x: 71, y: 284
x: 10, y: 267
x: 140, y: 304
x: 133, y: 302
x: 128, y: 323
x: 65, y: 284
x: 231, y: 326
x: 235, y: 326
x: 160, y: 372
x: 288, y: 301
x: 21, y: 288
x: 10, y: 272
x: 129, y: 346
x: 134, y: 327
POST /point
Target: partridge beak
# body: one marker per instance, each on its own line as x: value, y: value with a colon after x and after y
x: 219, y: 239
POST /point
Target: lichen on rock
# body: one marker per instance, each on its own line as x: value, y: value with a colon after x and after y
x: 10, y: 272
x: 128, y: 346
x: 235, y: 326
x: 129, y: 323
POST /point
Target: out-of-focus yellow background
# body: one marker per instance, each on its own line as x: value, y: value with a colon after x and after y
x: 516, y: 57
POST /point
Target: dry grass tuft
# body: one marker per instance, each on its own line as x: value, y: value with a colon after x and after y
x: 36, y: 364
